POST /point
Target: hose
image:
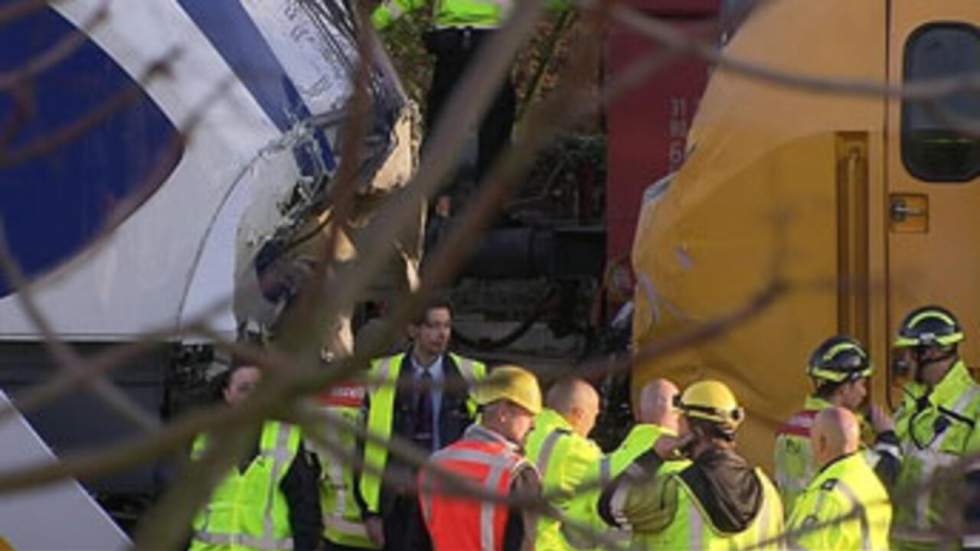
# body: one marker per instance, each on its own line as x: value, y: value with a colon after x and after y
x: 492, y: 344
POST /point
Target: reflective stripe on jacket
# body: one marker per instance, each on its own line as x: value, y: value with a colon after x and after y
x: 456, y: 522
x: 793, y: 461
x: 564, y: 460
x: 792, y: 457
x: 845, y: 489
x: 247, y: 511
x: 384, y: 373
x: 478, y: 14
x: 692, y: 527
x: 342, y: 523
x: 585, y: 508
x: 935, y: 429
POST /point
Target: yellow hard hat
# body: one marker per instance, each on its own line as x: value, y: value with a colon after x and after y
x: 513, y: 383
x: 712, y: 401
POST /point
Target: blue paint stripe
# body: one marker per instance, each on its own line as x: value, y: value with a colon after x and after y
x: 233, y: 33
x: 53, y: 205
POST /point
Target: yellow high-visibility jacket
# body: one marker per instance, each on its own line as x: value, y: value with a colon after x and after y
x: 380, y: 416
x: 247, y: 511
x: 631, y: 463
x: 564, y: 459
x: 935, y: 429
x: 844, y: 489
x: 674, y: 510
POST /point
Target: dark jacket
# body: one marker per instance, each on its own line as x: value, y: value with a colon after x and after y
x: 301, y: 487
x: 404, y: 528
x: 520, y: 530
x: 727, y: 487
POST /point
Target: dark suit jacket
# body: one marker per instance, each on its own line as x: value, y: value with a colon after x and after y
x: 399, y: 510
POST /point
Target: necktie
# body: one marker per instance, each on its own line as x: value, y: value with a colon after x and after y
x: 423, y: 411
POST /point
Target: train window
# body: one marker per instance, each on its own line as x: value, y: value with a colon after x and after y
x: 937, y: 142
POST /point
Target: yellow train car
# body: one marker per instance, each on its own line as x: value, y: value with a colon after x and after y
x: 866, y: 206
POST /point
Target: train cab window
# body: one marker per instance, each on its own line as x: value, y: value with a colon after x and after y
x: 937, y: 144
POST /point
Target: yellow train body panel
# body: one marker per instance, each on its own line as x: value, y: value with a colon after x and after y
x: 796, y: 184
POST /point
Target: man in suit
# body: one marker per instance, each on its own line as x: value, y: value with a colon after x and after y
x: 421, y: 396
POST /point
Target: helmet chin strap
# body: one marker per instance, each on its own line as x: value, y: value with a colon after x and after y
x: 687, y: 448
x: 922, y: 363
x: 698, y: 438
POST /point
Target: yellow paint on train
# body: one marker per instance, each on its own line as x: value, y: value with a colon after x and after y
x: 867, y: 206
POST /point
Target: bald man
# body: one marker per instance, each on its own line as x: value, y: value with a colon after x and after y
x: 655, y: 430
x: 576, y: 401
x: 651, y: 446
x: 845, y: 506
x: 657, y: 409
x: 559, y: 446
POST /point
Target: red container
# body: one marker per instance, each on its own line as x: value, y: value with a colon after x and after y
x: 647, y: 126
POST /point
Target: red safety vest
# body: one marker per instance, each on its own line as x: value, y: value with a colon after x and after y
x: 464, y: 523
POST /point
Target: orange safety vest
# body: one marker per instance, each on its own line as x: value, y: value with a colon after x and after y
x: 457, y: 522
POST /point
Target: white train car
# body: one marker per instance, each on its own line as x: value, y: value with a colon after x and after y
x: 143, y: 144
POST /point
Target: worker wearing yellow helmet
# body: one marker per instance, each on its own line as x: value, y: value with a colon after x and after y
x: 488, y: 456
x: 937, y: 424
x: 719, y: 501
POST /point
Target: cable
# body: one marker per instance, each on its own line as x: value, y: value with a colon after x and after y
x: 509, y: 338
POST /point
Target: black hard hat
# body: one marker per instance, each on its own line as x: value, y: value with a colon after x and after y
x: 929, y: 326
x: 839, y: 359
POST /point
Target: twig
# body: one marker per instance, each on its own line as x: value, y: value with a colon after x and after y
x: 166, y: 524
x: 666, y: 34
x: 80, y: 371
x: 20, y: 8
x: 66, y: 46
x: 75, y: 129
x: 470, y: 99
x: 68, y: 360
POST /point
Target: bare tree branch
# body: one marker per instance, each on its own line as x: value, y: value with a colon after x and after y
x: 114, y: 358
x: 65, y: 356
x: 66, y: 46
x: 77, y: 128
x: 665, y: 34
x: 24, y: 108
x: 469, y: 101
x: 76, y: 370
x: 165, y: 526
x: 14, y: 10
x: 290, y: 371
